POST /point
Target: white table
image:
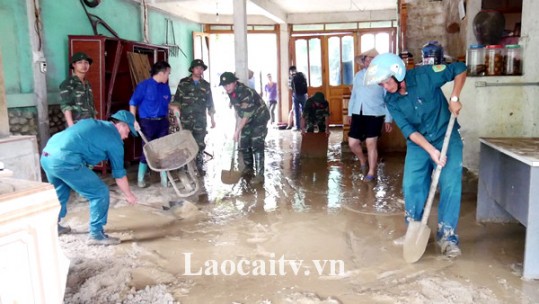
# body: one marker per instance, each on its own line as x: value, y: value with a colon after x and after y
x: 509, y: 190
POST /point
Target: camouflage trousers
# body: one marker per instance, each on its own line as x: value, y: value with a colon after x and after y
x: 252, y: 139
x: 196, y: 126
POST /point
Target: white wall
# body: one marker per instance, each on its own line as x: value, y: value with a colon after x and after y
x: 511, y: 111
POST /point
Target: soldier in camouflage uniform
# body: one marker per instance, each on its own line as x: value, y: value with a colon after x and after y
x: 76, y: 98
x: 252, y: 128
x: 194, y: 98
x: 315, y: 113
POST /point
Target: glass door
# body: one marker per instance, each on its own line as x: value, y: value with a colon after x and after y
x: 327, y: 60
x: 328, y: 63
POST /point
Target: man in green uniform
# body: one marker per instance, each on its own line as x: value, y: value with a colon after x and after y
x: 76, y: 98
x: 315, y: 113
x: 194, y: 98
x: 252, y: 128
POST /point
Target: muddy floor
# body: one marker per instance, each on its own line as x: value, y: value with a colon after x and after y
x: 314, y: 233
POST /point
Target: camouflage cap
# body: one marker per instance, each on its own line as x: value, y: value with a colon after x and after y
x: 81, y: 56
x: 195, y: 63
x: 226, y: 78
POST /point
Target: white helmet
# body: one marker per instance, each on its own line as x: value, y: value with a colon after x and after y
x: 383, y: 67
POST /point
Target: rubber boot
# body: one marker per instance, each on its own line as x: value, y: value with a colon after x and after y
x: 199, y: 161
x: 142, y: 169
x: 164, y: 180
x: 248, y: 171
x: 259, y: 164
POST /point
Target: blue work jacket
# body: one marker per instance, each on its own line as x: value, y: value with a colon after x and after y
x: 151, y: 98
x: 424, y: 108
x: 88, y: 142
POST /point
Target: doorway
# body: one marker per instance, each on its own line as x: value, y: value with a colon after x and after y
x: 327, y: 60
x: 219, y: 47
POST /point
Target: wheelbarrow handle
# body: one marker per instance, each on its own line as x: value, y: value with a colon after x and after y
x: 177, y: 115
x: 137, y: 128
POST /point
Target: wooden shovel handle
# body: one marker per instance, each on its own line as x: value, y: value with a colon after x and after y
x: 233, y: 157
x: 437, y: 171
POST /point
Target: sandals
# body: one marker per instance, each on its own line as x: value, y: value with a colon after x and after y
x: 369, y: 178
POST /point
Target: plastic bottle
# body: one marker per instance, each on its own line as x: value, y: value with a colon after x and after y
x: 494, y: 60
x: 475, y: 60
x: 512, y: 60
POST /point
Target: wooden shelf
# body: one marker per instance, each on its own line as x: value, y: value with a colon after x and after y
x: 504, y: 6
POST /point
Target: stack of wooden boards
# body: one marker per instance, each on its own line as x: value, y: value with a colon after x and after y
x: 139, y: 67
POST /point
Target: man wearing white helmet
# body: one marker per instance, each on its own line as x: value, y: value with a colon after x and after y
x: 418, y: 106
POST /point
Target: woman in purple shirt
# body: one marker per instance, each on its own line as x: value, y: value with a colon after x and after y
x: 271, y: 97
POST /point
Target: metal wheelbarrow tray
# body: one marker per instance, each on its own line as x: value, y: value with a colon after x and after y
x: 172, y: 152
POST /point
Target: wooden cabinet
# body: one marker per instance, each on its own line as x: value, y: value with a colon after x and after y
x: 110, y: 77
x: 504, y: 6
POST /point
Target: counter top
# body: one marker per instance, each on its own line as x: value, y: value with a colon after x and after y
x: 524, y: 149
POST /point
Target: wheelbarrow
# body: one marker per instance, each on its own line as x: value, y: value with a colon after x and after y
x: 172, y: 152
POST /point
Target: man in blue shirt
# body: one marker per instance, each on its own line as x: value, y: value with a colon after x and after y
x: 367, y: 113
x: 421, y: 111
x: 152, y: 100
x: 88, y: 142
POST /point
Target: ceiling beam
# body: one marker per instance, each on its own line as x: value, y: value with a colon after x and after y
x: 271, y: 10
x: 229, y: 19
x: 332, y: 17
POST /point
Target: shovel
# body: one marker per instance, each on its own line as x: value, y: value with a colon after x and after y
x: 417, y: 235
x: 231, y: 177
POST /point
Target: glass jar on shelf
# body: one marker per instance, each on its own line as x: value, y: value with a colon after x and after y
x: 494, y: 60
x: 512, y: 60
x: 475, y: 60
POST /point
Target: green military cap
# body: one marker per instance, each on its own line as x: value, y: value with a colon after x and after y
x: 195, y: 63
x: 226, y: 78
x: 81, y: 56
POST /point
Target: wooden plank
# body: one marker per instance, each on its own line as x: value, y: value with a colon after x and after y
x: 131, y: 69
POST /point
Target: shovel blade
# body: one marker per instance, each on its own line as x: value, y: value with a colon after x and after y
x: 230, y: 177
x: 415, y: 241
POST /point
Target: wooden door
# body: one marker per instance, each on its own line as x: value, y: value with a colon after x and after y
x: 327, y: 60
x: 328, y: 63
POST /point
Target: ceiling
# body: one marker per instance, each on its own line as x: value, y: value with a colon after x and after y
x: 279, y: 11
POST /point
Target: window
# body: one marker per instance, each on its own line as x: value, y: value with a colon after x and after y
x: 379, y: 41
x: 341, y: 60
x: 308, y: 60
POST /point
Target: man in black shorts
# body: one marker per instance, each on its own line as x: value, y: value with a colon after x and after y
x: 367, y: 113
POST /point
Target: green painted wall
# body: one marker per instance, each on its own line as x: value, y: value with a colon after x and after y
x: 15, y: 46
x: 66, y: 17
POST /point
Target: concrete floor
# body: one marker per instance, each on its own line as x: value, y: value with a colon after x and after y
x: 314, y: 214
